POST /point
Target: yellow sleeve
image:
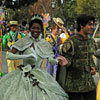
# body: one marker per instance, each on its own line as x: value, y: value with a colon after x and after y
x: 63, y: 39
x: 67, y: 35
x: 98, y: 91
x: 48, y: 39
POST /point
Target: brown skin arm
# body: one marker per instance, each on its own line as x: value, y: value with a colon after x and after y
x: 93, y: 70
x: 62, y: 61
x: 13, y: 50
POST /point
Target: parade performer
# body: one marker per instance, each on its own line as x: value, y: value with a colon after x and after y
x: 30, y: 81
x: 9, y: 39
x: 98, y: 90
x: 55, y: 42
x: 64, y: 35
x: 79, y: 50
x: 97, y: 54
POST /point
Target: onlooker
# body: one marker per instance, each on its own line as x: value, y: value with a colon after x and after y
x: 9, y: 39
x: 79, y: 50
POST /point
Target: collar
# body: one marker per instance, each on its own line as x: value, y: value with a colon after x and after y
x: 82, y: 37
x: 13, y: 32
x: 54, y: 36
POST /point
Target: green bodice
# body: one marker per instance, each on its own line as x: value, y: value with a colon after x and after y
x: 10, y: 38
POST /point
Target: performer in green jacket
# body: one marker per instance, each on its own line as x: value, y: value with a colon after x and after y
x: 79, y: 50
x: 9, y: 39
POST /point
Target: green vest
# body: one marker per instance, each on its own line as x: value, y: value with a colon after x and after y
x: 79, y: 77
x: 10, y: 38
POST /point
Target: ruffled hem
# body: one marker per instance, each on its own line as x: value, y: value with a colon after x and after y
x: 16, y: 86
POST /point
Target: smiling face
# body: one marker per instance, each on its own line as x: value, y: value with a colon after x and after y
x: 88, y: 29
x: 35, y: 30
x: 55, y: 29
x: 13, y: 28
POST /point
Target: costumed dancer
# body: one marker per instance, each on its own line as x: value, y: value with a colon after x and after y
x: 97, y: 54
x: 9, y: 39
x: 30, y: 81
x: 55, y: 42
x: 98, y: 91
x: 79, y: 50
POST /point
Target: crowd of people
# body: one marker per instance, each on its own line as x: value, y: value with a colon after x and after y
x: 59, y: 67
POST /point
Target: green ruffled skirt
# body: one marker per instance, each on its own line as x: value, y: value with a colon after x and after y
x: 34, y: 85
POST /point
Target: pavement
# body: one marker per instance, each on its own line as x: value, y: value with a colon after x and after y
x: 4, y: 62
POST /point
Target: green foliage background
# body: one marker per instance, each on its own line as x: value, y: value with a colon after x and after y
x: 68, y: 11
x: 73, y: 8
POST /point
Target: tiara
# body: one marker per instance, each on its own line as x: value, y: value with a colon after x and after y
x: 37, y: 16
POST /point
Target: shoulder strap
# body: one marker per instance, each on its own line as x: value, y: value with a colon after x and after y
x: 58, y: 40
x: 16, y: 36
x: 54, y: 42
x: 11, y: 38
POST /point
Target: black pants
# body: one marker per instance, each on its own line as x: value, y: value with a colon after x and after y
x: 82, y: 96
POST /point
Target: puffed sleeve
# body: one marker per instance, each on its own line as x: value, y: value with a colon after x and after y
x: 67, y: 50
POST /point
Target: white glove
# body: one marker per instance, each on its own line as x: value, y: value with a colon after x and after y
x: 52, y: 60
x: 12, y: 56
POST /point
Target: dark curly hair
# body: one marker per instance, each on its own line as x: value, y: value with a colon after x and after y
x: 83, y: 19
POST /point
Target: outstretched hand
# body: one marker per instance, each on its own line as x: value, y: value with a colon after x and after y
x: 62, y: 61
x: 93, y: 70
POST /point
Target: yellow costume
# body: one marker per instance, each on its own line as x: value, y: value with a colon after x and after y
x: 98, y: 91
x: 12, y: 64
x: 50, y: 40
x: 10, y: 38
x: 64, y: 36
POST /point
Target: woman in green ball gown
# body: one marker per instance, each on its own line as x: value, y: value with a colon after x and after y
x: 31, y: 81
